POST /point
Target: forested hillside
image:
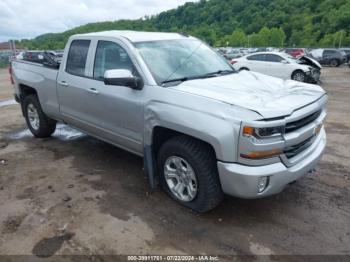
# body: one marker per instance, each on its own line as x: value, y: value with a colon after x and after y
x: 307, y: 23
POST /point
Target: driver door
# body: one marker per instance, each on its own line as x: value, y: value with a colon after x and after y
x: 117, y: 111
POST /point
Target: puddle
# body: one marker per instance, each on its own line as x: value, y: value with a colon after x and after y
x: 7, y: 102
x: 63, y: 132
x: 47, y: 247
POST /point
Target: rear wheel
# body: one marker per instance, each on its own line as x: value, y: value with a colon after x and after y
x: 188, y: 173
x: 299, y: 76
x: 38, y: 123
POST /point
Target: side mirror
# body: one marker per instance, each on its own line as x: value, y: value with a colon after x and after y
x: 122, y: 77
x: 284, y: 62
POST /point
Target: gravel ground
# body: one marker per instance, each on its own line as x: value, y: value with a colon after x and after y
x: 73, y: 194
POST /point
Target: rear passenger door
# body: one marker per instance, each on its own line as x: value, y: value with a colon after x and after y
x: 275, y: 67
x: 256, y: 63
x: 72, y: 85
x: 328, y: 55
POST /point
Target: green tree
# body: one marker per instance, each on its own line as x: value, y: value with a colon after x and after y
x: 237, y: 38
x: 277, y: 37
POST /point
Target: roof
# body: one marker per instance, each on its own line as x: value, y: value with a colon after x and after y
x: 268, y: 52
x: 135, y: 36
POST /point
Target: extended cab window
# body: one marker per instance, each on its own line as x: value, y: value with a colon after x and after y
x: 77, y: 56
x: 110, y: 55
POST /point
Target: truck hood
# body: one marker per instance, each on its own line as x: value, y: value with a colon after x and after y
x: 269, y: 96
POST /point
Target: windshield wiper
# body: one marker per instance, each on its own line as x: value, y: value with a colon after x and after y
x: 212, y: 74
x: 220, y: 72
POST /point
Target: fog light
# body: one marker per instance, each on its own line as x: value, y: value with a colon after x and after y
x: 263, y: 182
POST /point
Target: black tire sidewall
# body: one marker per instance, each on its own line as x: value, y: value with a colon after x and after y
x: 334, y: 63
x: 46, y: 126
x: 177, y: 149
x: 299, y: 72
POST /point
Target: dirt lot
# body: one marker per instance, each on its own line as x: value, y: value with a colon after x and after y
x: 73, y: 194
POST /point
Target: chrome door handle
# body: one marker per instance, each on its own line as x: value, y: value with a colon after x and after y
x: 93, y: 91
x: 63, y: 83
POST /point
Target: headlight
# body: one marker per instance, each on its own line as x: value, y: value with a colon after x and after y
x: 265, y: 132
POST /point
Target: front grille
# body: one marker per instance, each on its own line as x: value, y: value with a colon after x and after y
x: 292, y: 126
x: 292, y: 151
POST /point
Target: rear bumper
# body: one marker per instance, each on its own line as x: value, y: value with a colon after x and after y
x: 242, y: 181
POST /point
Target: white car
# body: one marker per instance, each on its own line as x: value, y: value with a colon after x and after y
x: 281, y: 65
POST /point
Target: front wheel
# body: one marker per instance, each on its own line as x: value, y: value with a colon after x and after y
x: 188, y: 173
x: 299, y: 76
x: 38, y: 123
x: 334, y: 63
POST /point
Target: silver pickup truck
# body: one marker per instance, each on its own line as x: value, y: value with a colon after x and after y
x: 202, y: 128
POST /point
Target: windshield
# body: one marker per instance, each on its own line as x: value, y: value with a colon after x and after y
x: 181, y: 59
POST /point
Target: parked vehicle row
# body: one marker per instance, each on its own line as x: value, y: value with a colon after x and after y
x: 328, y: 56
x: 281, y: 65
x: 202, y: 128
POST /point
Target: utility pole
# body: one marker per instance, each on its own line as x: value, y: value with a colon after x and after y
x: 340, y: 39
x: 12, y: 45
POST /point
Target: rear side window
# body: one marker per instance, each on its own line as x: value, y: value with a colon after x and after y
x: 260, y: 57
x: 329, y: 52
x: 273, y: 58
x: 77, y: 56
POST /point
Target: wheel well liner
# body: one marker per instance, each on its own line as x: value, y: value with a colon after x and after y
x: 25, y: 91
x: 162, y: 134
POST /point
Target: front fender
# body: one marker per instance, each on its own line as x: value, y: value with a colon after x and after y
x: 214, y: 128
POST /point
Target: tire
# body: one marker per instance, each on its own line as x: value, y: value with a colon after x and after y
x: 299, y: 76
x: 199, y: 160
x: 334, y: 63
x: 243, y: 69
x: 38, y: 123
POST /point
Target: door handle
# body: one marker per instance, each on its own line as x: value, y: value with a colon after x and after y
x: 63, y: 83
x: 92, y: 91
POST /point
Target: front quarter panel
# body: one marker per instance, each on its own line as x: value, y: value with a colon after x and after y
x: 206, y: 119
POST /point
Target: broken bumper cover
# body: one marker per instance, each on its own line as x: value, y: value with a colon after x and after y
x: 242, y: 181
x: 313, y: 76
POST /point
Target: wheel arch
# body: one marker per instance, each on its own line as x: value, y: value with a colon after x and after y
x: 160, y: 135
x: 296, y: 71
x: 24, y: 91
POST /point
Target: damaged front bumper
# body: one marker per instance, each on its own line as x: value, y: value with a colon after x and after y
x: 242, y: 181
x: 313, y: 76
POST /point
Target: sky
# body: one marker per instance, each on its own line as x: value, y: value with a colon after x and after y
x: 29, y: 18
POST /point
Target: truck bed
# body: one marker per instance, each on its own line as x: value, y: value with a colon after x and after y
x: 40, y: 77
